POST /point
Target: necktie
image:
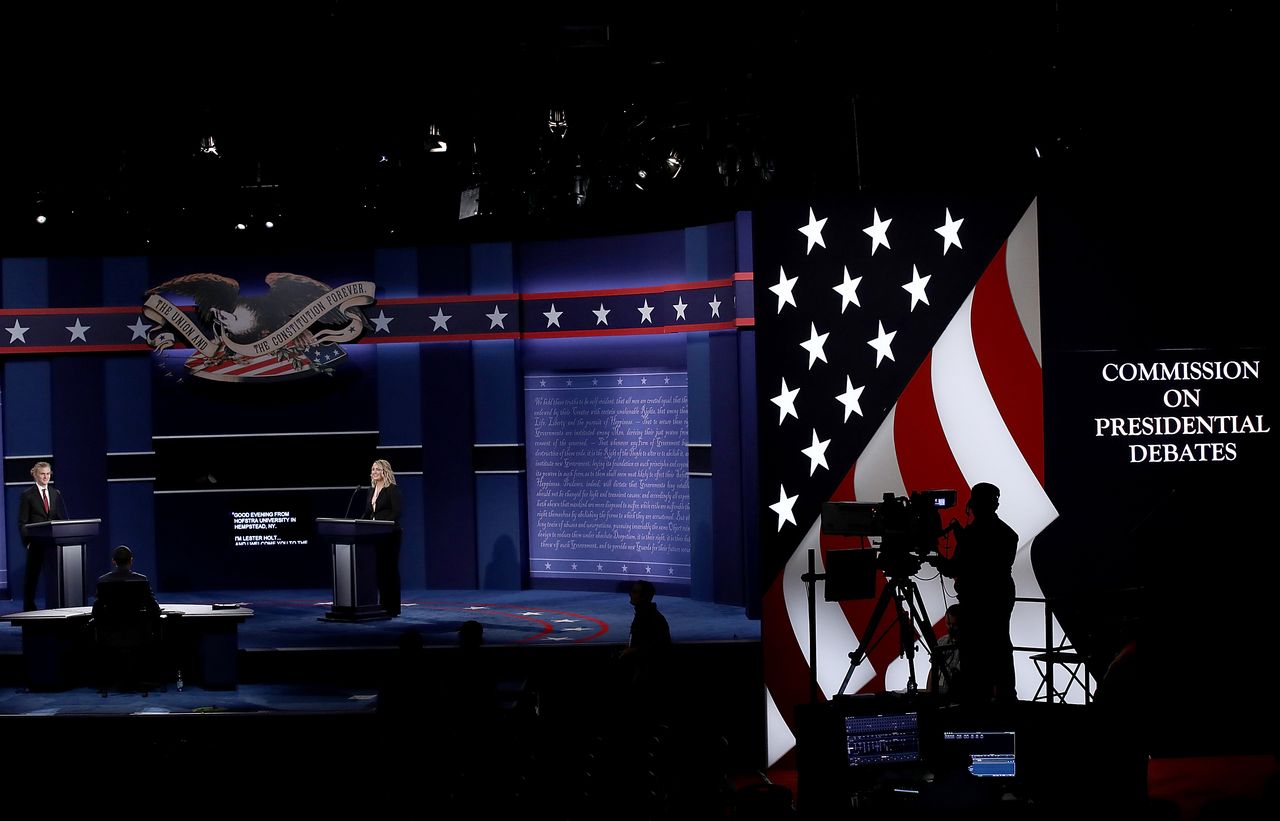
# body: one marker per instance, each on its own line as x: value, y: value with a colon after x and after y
x: 44, y: 497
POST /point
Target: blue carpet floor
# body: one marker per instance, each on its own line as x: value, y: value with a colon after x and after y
x: 287, y: 623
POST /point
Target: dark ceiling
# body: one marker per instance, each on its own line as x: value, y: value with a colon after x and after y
x: 321, y: 113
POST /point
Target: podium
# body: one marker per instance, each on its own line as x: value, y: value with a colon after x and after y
x: 354, y: 543
x: 64, y: 545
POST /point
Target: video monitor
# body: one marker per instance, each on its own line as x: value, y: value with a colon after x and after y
x: 989, y: 753
x: 882, y: 739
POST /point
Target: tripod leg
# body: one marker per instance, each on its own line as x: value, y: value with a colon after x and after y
x: 856, y: 657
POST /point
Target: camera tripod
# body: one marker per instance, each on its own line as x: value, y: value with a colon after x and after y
x: 912, y: 618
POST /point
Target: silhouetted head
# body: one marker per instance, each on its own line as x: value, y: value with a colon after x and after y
x: 642, y: 591
x: 471, y: 634
x: 122, y: 557
x: 984, y: 498
x: 953, y: 619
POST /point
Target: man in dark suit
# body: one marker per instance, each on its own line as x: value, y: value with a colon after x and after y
x: 126, y: 620
x: 123, y: 592
x: 39, y: 503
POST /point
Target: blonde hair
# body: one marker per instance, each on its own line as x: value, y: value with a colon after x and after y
x: 38, y: 466
x: 388, y: 475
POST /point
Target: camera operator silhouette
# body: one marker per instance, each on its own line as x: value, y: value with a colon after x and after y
x: 982, y: 565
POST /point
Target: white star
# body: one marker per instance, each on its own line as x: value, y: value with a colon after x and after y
x: 568, y: 383
x: 671, y: 571
x: 495, y: 319
x: 783, y: 506
x: 644, y: 380
x: 382, y: 322
x: 575, y: 629
x: 666, y: 380
x: 441, y: 320
x: 817, y: 453
x: 542, y: 383
x: 916, y: 287
x: 556, y: 638
x: 595, y: 381
x: 619, y: 380
x: 878, y: 231
x: 715, y: 306
x: 531, y: 613
x: 679, y: 306
x: 624, y: 568
x: 783, y: 289
x: 77, y: 331
x: 786, y: 402
x: 646, y: 313
x: 547, y: 565
x: 553, y: 316
x: 139, y: 329
x: 814, y: 345
x: 648, y: 569
x: 950, y: 232
x: 848, y: 291
x: 850, y: 398
x: 17, y: 333
x: 477, y: 607
x: 599, y: 567
x: 882, y: 344
x: 565, y: 621
x: 813, y: 232
x: 573, y: 566
x: 602, y: 314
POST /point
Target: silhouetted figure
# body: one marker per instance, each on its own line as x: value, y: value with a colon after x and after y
x: 982, y: 566
x: 644, y: 661
x: 126, y: 619
x: 944, y: 670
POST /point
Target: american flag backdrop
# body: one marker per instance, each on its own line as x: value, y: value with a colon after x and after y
x: 899, y: 350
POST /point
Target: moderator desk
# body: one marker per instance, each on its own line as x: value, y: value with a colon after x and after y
x: 204, y: 639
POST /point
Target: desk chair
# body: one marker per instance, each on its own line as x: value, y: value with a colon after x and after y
x: 126, y: 636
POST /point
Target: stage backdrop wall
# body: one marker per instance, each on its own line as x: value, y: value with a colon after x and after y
x: 212, y: 460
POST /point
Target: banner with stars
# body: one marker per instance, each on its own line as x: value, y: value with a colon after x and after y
x: 703, y: 306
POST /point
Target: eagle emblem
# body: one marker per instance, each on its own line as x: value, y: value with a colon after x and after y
x: 293, y: 329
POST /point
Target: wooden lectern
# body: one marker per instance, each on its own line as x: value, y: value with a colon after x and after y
x: 65, y: 544
x: 355, y: 578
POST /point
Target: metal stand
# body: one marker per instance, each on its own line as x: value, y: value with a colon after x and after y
x: 912, y: 620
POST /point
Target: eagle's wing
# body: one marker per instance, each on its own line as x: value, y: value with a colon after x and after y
x: 209, y: 291
x: 291, y: 293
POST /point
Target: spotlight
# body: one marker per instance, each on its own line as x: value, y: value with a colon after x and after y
x: 434, y: 144
x: 556, y: 123
x: 240, y: 226
x: 674, y: 162
x: 269, y: 224
x: 209, y: 146
x: 581, y: 182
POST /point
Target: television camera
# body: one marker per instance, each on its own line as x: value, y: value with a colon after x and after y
x: 908, y: 527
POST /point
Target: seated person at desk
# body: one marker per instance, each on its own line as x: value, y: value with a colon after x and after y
x: 126, y: 619
x: 122, y: 592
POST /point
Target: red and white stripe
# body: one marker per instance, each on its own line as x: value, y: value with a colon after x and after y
x: 973, y: 412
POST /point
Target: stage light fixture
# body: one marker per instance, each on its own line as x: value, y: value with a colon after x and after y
x: 434, y: 143
x: 41, y: 219
x: 674, y: 163
x: 240, y: 226
x: 209, y: 146
x: 557, y: 124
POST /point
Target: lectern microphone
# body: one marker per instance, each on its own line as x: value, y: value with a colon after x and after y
x: 352, y: 500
